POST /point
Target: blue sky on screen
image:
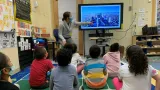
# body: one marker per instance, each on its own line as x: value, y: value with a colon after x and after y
x: 100, y: 9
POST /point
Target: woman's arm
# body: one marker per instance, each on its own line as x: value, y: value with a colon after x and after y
x: 82, y: 23
x: 157, y: 78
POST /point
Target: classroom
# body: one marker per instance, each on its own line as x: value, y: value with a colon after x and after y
x: 79, y: 44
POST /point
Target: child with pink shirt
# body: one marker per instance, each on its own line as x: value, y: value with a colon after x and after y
x: 112, y: 60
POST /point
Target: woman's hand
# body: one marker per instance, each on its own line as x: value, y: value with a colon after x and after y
x: 63, y: 43
x: 91, y: 23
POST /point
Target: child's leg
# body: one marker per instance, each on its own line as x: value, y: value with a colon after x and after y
x: 80, y: 68
x: 117, y: 83
x: 44, y: 86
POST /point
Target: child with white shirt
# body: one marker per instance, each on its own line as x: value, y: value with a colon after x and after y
x: 137, y: 74
x: 77, y: 60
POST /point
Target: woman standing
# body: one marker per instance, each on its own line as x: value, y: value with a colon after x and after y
x: 65, y: 29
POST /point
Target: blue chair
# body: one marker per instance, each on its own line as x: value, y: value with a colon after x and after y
x: 55, y: 33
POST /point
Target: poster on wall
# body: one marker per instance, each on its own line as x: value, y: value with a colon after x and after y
x: 6, y: 15
x: 22, y: 10
x: 7, y: 40
x: 158, y: 15
x: 24, y: 29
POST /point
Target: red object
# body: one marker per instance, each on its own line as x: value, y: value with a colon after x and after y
x: 118, y: 84
x: 80, y: 68
x: 45, y: 35
x: 39, y: 69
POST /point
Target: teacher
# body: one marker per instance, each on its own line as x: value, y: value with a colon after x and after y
x: 65, y: 29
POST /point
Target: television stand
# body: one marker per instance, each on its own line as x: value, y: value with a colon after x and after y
x: 101, y: 38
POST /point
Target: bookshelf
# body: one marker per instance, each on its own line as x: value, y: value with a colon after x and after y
x: 149, y: 43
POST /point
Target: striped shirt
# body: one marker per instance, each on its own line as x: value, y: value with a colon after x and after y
x: 95, y: 68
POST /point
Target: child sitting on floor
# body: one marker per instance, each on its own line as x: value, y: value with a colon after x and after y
x: 64, y: 76
x: 112, y: 60
x: 95, y: 70
x: 39, y: 68
x: 77, y: 60
x: 6, y: 69
x: 137, y: 74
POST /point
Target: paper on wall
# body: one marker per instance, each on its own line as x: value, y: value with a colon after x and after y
x: 20, y: 44
x: 27, y: 41
x: 22, y: 39
x: 29, y: 46
x: 141, y: 21
x: 22, y: 48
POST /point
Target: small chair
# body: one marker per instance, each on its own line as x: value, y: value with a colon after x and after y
x: 55, y: 32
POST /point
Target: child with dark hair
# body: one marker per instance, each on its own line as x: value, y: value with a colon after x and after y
x: 39, y: 68
x: 77, y: 60
x: 137, y: 74
x: 95, y: 69
x: 6, y: 69
x: 112, y: 60
x: 64, y: 77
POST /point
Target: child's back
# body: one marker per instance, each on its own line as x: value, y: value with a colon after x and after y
x: 139, y: 82
x: 39, y: 68
x: 38, y: 72
x: 64, y: 77
x: 112, y: 60
x: 95, y: 69
x: 137, y: 74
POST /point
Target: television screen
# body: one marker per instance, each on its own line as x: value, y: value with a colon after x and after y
x: 102, y: 16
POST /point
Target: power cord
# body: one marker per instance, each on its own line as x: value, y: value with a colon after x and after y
x: 130, y: 27
x: 124, y: 35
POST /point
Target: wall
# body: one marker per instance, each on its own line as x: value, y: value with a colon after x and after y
x: 42, y: 15
x: 127, y: 20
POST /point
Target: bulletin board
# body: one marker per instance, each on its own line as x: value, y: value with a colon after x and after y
x: 6, y: 15
x: 22, y: 10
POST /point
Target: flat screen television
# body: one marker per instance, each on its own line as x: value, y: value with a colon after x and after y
x: 102, y: 16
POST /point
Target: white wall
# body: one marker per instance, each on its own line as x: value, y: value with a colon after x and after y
x: 69, y: 5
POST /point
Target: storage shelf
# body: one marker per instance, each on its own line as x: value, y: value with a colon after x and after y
x: 148, y: 41
x: 153, y: 54
x: 147, y: 35
x: 150, y: 47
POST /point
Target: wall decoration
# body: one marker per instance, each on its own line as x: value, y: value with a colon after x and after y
x: 22, y: 10
x: 7, y: 39
x: 6, y: 15
x: 24, y: 29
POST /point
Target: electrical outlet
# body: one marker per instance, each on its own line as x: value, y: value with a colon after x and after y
x: 130, y: 8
